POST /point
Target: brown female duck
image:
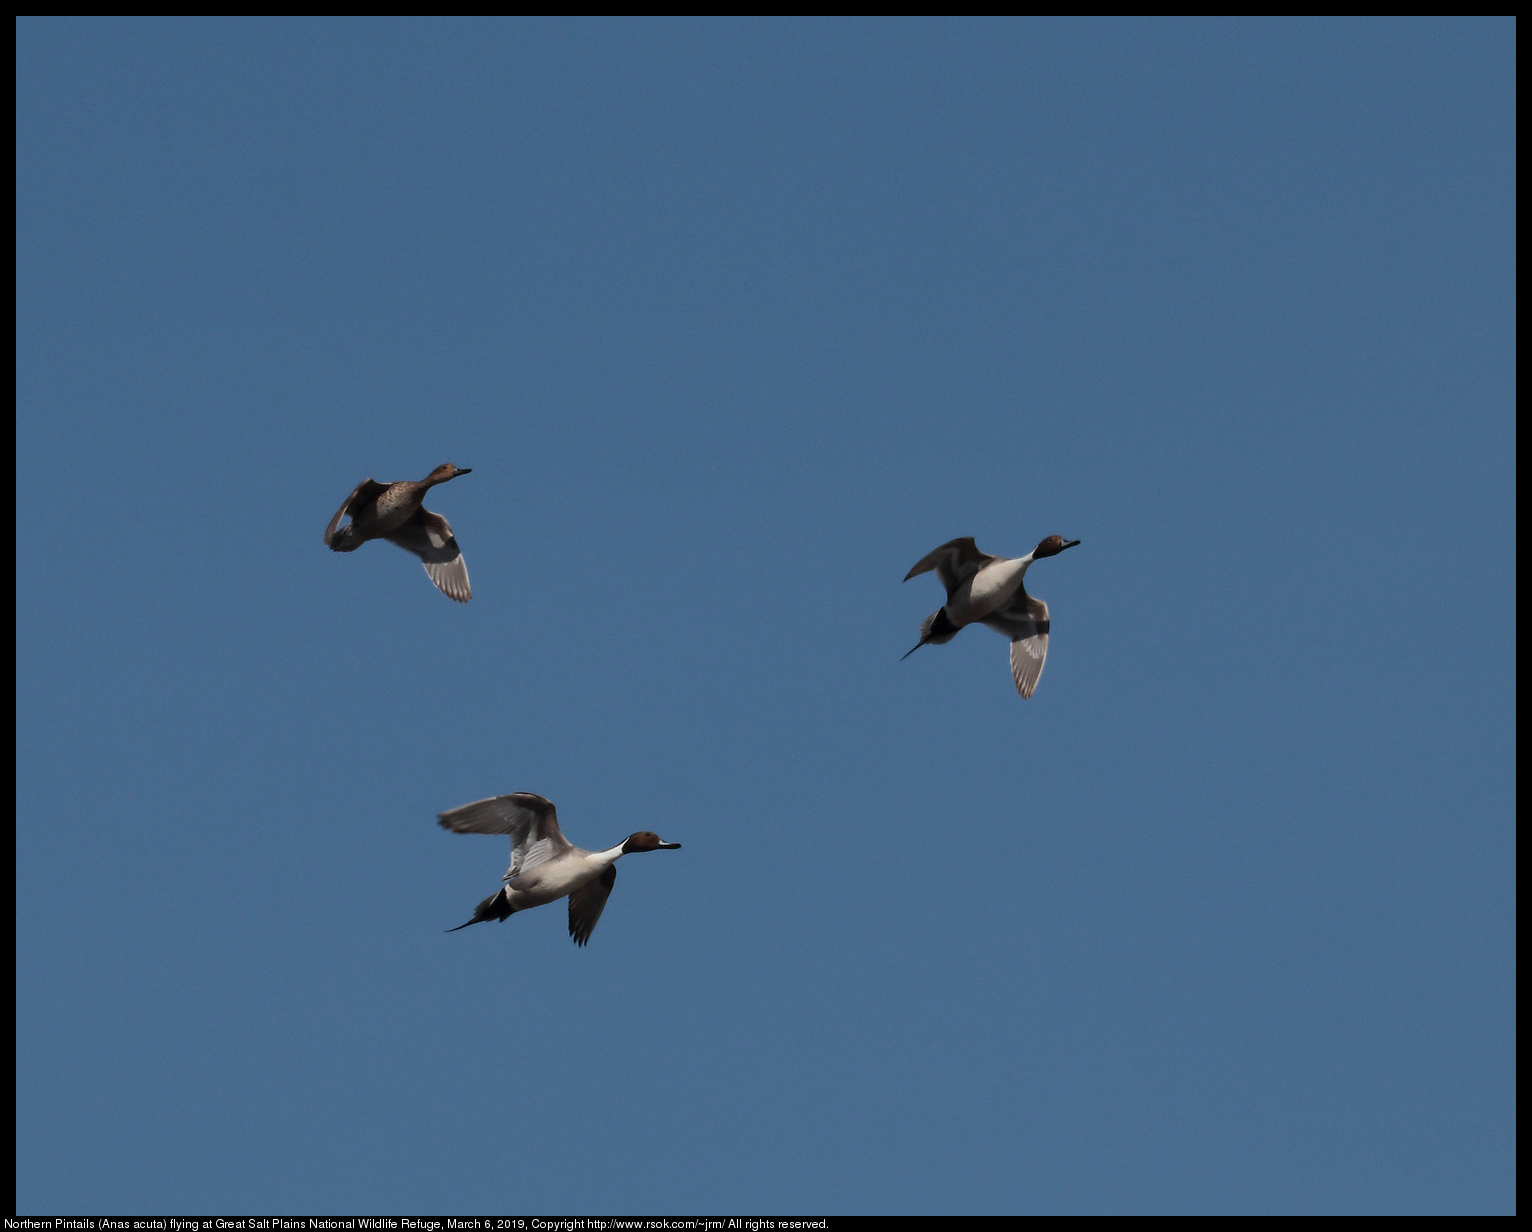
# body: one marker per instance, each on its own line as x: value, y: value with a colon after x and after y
x: 393, y: 511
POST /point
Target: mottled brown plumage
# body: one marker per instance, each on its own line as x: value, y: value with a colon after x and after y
x: 393, y: 511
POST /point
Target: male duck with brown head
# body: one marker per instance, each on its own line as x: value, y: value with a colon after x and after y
x: 545, y: 866
x: 393, y: 511
x: 987, y: 589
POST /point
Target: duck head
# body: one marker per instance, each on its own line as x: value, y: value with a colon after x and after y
x: 1053, y: 545
x: 447, y: 471
x: 646, y: 840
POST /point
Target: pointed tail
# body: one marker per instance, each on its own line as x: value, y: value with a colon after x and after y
x: 934, y: 630
x: 496, y: 907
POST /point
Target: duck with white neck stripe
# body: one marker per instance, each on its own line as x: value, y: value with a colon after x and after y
x: 985, y: 589
x: 545, y: 866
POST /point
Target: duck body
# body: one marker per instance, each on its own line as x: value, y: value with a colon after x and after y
x: 385, y: 513
x: 545, y: 866
x: 558, y: 878
x: 989, y: 589
x: 985, y: 590
x: 396, y: 512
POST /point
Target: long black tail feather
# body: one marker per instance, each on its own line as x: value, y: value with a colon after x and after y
x: 934, y: 630
x: 495, y: 907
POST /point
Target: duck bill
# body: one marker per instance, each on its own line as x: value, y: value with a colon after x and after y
x: 670, y: 846
x: 1074, y: 544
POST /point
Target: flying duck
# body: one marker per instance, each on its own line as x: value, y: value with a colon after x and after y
x: 988, y: 589
x: 393, y: 511
x: 544, y: 864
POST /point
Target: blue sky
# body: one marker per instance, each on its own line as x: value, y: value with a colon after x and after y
x: 734, y: 321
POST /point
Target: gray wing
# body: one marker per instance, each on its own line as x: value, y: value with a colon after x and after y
x: 588, y: 902
x: 530, y: 820
x: 1025, y: 621
x: 368, y: 490
x: 955, y: 562
x: 430, y: 538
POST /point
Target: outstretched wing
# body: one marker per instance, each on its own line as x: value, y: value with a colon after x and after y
x: 955, y: 562
x: 1025, y: 621
x: 430, y: 538
x: 587, y: 903
x: 530, y: 820
x: 365, y: 492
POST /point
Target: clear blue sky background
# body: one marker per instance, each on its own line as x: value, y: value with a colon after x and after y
x: 734, y: 321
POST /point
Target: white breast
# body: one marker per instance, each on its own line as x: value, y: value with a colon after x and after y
x: 986, y: 590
